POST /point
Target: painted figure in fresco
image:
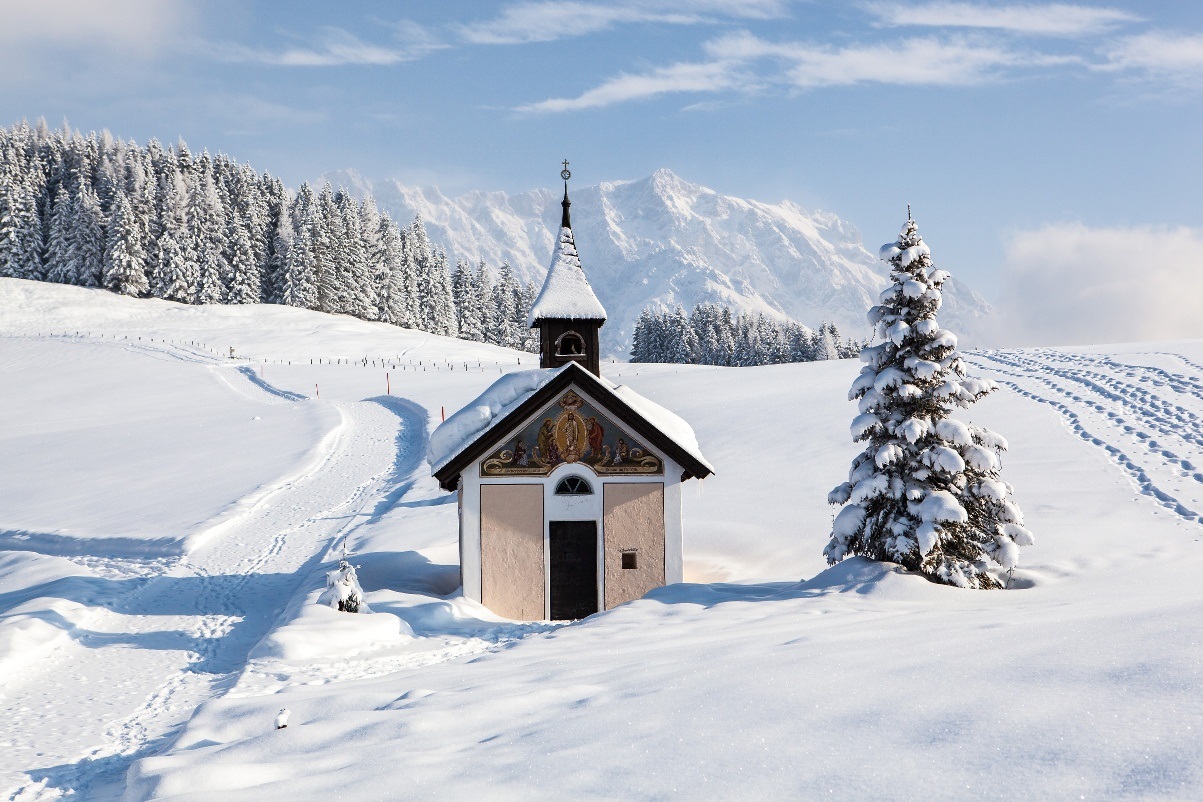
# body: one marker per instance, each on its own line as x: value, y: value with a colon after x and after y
x: 574, y: 432
x: 596, y: 433
x: 548, y: 453
x: 571, y: 426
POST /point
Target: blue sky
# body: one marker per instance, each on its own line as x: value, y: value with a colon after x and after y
x: 1006, y: 125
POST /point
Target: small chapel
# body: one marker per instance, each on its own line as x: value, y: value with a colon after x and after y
x: 569, y: 485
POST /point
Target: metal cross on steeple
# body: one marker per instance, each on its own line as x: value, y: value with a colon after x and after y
x: 565, y: 174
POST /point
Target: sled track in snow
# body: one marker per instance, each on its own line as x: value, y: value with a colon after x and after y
x: 1125, y: 410
x: 181, y: 634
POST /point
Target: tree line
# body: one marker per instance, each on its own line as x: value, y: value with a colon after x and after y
x: 714, y: 335
x: 162, y: 222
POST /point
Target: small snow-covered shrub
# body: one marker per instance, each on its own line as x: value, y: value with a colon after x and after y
x: 925, y: 492
x: 343, y: 592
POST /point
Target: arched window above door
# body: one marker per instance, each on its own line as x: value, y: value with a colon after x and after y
x: 573, y: 486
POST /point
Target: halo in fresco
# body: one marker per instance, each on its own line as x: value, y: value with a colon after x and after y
x: 578, y: 433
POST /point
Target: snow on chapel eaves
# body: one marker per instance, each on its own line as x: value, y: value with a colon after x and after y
x: 506, y: 394
x: 566, y: 293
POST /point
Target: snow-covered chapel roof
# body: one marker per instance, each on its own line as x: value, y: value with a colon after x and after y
x: 465, y: 435
x: 566, y: 293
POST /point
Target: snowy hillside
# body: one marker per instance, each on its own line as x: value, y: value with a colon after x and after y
x: 664, y: 241
x: 168, y: 513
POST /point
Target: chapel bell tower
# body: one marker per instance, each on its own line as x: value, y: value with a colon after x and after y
x: 567, y: 312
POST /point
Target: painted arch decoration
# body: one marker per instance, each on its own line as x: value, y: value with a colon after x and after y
x: 571, y: 431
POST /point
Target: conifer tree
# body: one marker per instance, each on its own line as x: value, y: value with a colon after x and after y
x: 925, y: 492
x: 482, y: 288
x: 87, y: 239
x: 526, y: 299
x: 376, y: 273
x: 244, y: 272
x: 207, y: 228
x: 124, y: 258
x: 391, y: 297
x: 59, y: 266
x: 21, y: 241
x: 504, y: 313
x: 299, y: 284
x: 439, y: 302
x: 174, y: 274
x: 354, y: 272
x: 281, y: 241
x: 323, y: 224
x: 411, y: 296
x: 461, y: 294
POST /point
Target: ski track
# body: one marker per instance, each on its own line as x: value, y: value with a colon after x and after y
x: 1148, y: 420
x: 179, y: 631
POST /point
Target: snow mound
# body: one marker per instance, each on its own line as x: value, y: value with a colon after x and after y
x: 319, y: 632
x: 863, y: 576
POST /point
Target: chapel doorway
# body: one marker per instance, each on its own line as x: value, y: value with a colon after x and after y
x: 572, y: 548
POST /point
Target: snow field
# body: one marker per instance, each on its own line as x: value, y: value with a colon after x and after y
x: 104, y: 439
x: 858, y: 683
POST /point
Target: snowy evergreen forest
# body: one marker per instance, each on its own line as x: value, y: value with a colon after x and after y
x: 713, y: 335
x: 96, y: 211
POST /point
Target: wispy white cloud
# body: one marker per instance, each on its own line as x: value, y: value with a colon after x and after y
x: 1070, y: 283
x: 683, y: 77
x: 333, y: 47
x: 1158, y: 54
x: 919, y: 61
x: 733, y: 66
x: 1049, y: 19
x: 558, y: 19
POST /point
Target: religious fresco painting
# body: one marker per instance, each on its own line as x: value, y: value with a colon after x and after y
x: 576, y: 433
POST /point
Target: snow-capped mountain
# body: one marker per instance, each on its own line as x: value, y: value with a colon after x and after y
x: 661, y: 241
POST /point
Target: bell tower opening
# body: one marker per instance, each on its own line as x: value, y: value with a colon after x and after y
x: 570, y: 344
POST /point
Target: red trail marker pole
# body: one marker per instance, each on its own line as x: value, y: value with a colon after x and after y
x: 388, y: 388
x: 319, y: 392
x: 443, y: 413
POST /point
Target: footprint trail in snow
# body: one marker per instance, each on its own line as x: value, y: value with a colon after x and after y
x: 178, y: 632
x: 1147, y: 419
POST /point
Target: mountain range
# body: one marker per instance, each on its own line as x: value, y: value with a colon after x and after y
x: 662, y: 241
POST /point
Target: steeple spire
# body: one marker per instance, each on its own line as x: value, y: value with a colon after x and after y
x: 566, y: 222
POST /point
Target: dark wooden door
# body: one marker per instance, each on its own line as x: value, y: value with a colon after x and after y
x: 573, y: 552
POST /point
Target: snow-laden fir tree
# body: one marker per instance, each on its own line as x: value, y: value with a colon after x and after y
x: 925, y: 492
x: 343, y: 592
x: 245, y: 282
x: 87, y: 239
x: 391, y: 296
x: 173, y: 275
x: 20, y: 228
x: 59, y: 265
x: 124, y: 257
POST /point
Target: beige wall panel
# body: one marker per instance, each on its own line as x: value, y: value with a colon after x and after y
x: 633, y: 519
x: 511, y: 550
